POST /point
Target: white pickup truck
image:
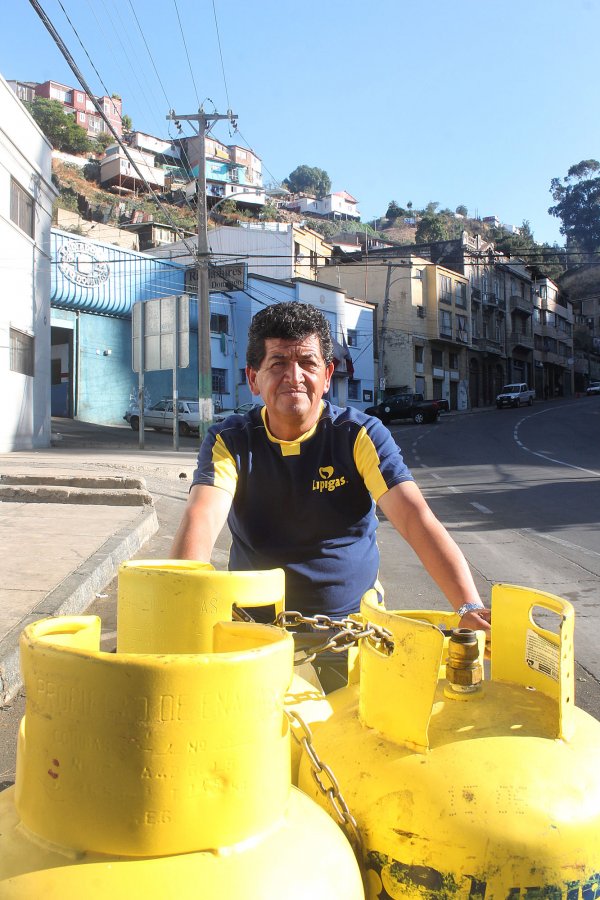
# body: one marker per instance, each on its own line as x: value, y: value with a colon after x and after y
x: 515, y: 395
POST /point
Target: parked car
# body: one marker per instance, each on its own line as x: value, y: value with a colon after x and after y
x: 405, y: 406
x: 160, y: 416
x: 515, y: 395
x: 240, y: 410
x: 593, y: 388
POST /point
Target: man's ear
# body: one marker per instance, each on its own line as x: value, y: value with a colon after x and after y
x: 328, y: 373
x: 251, y: 377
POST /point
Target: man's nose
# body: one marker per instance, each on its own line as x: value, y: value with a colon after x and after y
x: 294, y: 372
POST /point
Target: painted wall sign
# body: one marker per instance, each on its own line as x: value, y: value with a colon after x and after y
x: 83, y: 263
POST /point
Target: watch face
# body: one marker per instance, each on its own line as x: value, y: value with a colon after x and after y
x: 83, y: 264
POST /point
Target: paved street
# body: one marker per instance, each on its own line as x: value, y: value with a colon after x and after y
x: 518, y: 489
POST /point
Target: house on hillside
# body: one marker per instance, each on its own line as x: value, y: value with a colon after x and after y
x: 232, y: 172
x: 340, y: 205
x: 25, y: 220
x: 75, y: 102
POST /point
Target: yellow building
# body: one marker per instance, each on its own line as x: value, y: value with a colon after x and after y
x: 423, y: 326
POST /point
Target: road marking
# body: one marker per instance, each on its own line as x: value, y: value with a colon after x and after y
x: 482, y: 508
x: 454, y: 490
x: 556, y: 540
x: 543, y: 455
x: 436, y: 476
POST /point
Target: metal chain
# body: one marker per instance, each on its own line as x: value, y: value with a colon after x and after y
x: 327, y: 784
x: 349, y: 632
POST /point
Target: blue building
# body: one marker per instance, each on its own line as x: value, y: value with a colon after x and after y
x: 93, y: 290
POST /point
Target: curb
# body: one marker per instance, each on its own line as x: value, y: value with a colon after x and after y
x: 67, y: 493
x: 75, y: 594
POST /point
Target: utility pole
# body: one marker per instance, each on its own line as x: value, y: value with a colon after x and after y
x: 204, y: 121
x: 386, y: 309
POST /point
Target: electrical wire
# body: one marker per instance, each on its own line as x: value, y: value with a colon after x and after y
x: 221, y: 54
x: 186, y: 51
x: 79, y: 75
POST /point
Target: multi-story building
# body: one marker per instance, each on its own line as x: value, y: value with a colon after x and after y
x: 553, y: 336
x: 277, y: 250
x: 76, y: 102
x: 423, y: 323
x: 26, y: 202
x: 232, y: 172
x: 581, y: 288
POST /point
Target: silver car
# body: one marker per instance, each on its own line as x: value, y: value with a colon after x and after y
x: 160, y: 416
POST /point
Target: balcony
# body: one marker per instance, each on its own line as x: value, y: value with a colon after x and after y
x: 520, y: 340
x: 487, y: 345
x: 475, y: 295
x: 521, y: 303
x: 491, y: 299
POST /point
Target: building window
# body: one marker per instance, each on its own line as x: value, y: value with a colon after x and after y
x: 445, y: 289
x: 242, y: 376
x: 462, y: 332
x: 445, y: 323
x: 460, y: 293
x: 437, y: 359
x: 418, y: 354
x: 21, y: 352
x: 352, y: 337
x: 353, y: 389
x: 453, y: 361
x: 219, y: 323
x: 21, y: 208
x: 219, y: 381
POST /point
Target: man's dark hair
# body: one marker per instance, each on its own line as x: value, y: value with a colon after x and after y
x: 290, y: 322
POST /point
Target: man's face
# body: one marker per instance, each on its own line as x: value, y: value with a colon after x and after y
x: 291, y: 379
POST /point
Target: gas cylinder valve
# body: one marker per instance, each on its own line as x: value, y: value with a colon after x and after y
x: 464, y: 671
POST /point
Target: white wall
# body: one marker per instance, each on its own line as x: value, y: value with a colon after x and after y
x: 26, y: 156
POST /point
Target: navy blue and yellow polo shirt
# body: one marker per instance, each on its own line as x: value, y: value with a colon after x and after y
x: 307, y: 506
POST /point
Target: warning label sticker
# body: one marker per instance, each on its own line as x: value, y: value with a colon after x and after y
x: 542, y: 655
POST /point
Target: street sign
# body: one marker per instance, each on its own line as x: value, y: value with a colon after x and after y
x: 229, y: 277
x: 163, y: 318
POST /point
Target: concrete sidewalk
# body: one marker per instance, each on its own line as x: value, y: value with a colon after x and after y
x: 62, y: 541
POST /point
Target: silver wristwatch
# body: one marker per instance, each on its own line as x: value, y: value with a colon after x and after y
x: 467, y: 608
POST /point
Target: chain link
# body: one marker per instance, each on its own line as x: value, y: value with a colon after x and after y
x: 349, y: 632
x: 327, y: 784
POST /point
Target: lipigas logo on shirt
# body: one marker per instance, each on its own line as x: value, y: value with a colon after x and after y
x: 326, y: 480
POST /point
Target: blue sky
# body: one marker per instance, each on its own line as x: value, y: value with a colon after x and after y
x: 455, y: 101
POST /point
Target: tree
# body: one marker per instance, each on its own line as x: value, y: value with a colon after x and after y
x: 462, y: 210
x: 431, y: 228
x: 126, y: 123
x: 393, y: 210
x: 59, y: 127
x: 431, y: 208
x: 309, y: 180
x: 104, y: 140
x: 578, y: 205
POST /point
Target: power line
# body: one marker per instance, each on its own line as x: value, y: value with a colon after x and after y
x: 221, y: 54
x: 188, y: 55
x: 78, y: 74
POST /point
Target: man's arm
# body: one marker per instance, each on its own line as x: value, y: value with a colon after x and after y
x: 409, y: 513
x: 205, y: 514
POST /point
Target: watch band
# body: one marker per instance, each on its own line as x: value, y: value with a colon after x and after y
x: 467, y: 608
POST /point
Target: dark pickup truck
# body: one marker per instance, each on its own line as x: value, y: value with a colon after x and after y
x: 405, y: 406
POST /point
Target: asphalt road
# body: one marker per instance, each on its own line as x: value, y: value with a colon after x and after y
x: 518, y: 489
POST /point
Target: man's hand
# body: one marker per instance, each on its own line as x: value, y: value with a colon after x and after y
x: 477, y: 619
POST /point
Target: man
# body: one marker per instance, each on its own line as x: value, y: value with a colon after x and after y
x: 298, y: 479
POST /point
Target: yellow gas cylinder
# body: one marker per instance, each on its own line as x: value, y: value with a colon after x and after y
x: 162, y: 776
x: 172, y: 606
x: 463, y: 787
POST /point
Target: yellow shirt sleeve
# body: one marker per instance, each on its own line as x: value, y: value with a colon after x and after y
x: 367, y: 462
x: 226, y: 474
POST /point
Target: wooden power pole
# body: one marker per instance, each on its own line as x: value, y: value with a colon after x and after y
x: 204, y: 122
